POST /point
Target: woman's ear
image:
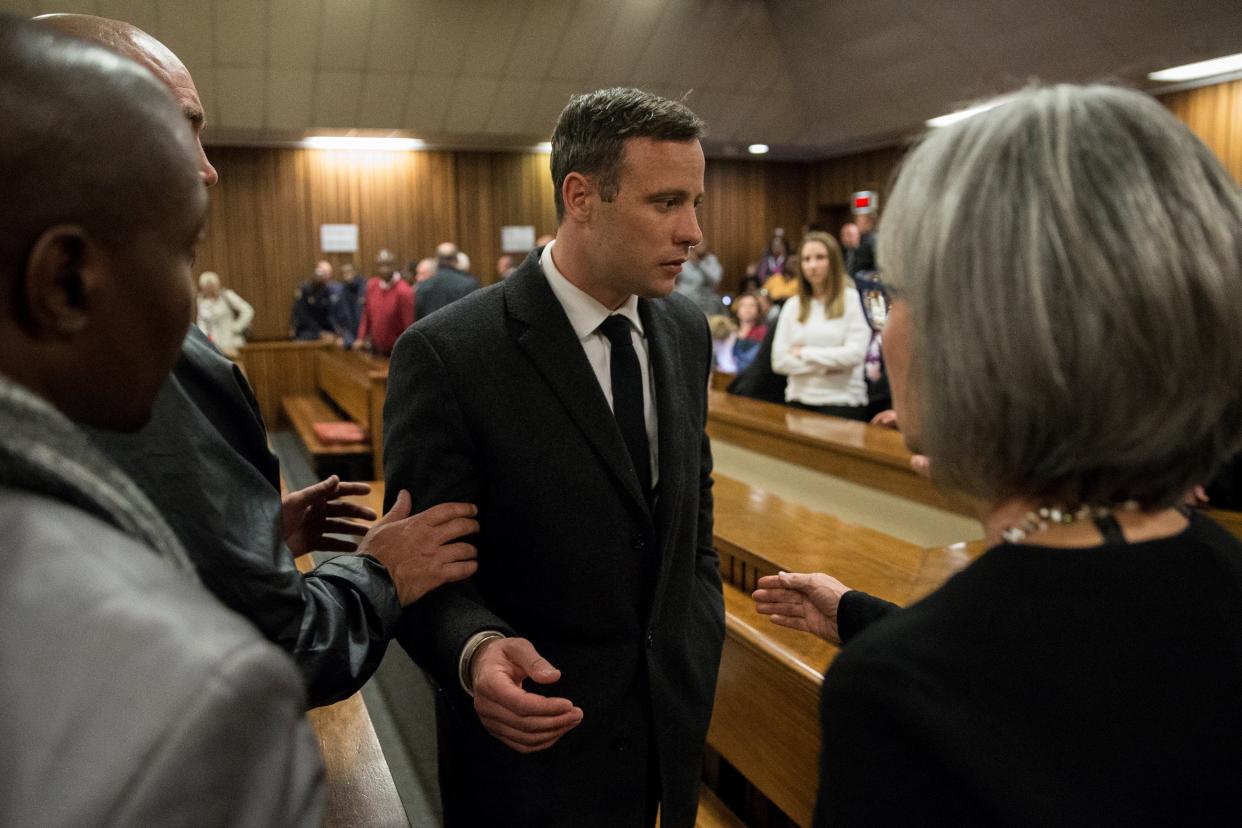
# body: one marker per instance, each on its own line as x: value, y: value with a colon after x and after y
x: 62, y: 277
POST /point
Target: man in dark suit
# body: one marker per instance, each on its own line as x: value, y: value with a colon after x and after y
x: 569, y: 402
x: 447, y: 284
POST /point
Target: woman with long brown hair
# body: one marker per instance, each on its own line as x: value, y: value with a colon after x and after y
x: 822, y: 335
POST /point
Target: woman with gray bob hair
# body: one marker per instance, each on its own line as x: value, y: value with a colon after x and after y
x: 1065, y: 345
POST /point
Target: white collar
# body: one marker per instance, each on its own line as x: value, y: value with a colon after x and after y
x: 584, y: 311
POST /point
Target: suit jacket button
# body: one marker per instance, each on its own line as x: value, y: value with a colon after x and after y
x: 621, y: 745
x: 639, y: 544
x: 650, y: 640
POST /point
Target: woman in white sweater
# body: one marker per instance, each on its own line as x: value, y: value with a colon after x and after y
x: 222, y: 314
x: 822, y: 336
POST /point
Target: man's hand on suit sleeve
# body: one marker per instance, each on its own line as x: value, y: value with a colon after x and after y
x: 424, y: 551
x: 524, y: 721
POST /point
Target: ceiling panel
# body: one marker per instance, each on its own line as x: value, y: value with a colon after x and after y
x: 426, y: 103
x: 587, y: 32
x: 470, y: 105
x: 511, y: 108
x: 346, y: 27
x: 538, y: 39
x: 294, y: 44
x: 290, y: 98
x: 21, y: 8
x: 491, y: 41
x: 241, y: 27
x: 632, y: 29
x: 188, y: 29
x: 394, y: 37
x: 443, y: 32
x: 383, y: 100
x: 66, y: 6
x: 240, y: 97
x: 336, y: 99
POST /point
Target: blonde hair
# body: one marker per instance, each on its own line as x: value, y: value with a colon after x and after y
x: 835, y: 305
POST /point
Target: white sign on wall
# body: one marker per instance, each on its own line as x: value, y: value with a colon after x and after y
x: 338, y: 238
x: 517, y: 238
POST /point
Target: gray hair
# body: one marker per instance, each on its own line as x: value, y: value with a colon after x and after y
x: 1071, y: 261
x: 591, y: 133
x: 208, y: 279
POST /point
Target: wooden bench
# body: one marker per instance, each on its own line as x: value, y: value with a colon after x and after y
x: 355, y: 384
x: 279, y: 369
x: 361, y: 791
x: 766, y: 716
x: 869, y: 455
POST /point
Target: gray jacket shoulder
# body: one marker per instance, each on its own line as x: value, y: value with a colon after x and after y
x: 136, y: 697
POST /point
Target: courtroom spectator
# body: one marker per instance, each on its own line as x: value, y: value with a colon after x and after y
x: 849, y: 245
x: 318, y: 311
x: 772, y: 260
x: 222, y: 315
x: 757, y: 380
x: 750, y: 280
x: 505, y: 267
x: 204, y: 460
x: 822, y: 336
x: 446, y: 285
x: 463, y: 263
x: 389, y: 309
x: 751, y: 330
x: 699, y: 280
x: 724, y: 335
x: 1084, y: 670
x: 130, y: 695
x: 783, y: 284
x: 424, y: 270
x: 354, y: 299
x: 863, y: 261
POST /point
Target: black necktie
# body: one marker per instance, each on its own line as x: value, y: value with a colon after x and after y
x: 627, y: 396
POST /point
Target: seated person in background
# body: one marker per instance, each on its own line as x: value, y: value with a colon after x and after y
x: 446, y: 285
x: 422, y: 270
x: 130, y: 695
x: 772, y: 260
x: 751, y: 330
x: 750, y: 281
x: 699, y: 280
x: 850, y: 238
x: 783, y: 284
x: 1084, y: 670
x: 724, y: 335
x: 863, y: 260
x: 822, y: 336
x: 222, y: 315
x: 389, y: 308
x: 318, y: 310
x: 203, y: 460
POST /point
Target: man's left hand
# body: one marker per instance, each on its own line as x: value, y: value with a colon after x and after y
x: 309, y: 514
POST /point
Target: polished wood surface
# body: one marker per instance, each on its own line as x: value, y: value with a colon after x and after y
x: 279, y: 369
x: 303, y: 411
x: 864, y: 454
x: 1214, y: 113
x: 361, y: 792
x: 357, y: 382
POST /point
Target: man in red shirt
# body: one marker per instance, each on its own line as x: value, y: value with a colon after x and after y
x: 389, y: 308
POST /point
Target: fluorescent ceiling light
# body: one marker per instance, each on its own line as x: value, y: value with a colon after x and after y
x: 545, y: 146
x: 969, y: 112
x: 345, y: 142
x: 757, y: 149
x: 1202, y: 69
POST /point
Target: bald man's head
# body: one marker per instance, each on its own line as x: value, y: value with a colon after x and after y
x: 131, y: 42
x: 102, y: 208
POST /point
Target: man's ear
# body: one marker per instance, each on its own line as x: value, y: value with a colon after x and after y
x: 63, y: 273
x: 577, y: 193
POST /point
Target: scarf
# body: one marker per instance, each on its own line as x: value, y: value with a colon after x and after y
x: 41, y: 451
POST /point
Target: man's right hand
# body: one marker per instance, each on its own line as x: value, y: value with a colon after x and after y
x: 423, y: 552
x: 524, y: 721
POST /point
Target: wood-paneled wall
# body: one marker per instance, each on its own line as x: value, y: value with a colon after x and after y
x: 263, y: 236
x: 1214, y: 113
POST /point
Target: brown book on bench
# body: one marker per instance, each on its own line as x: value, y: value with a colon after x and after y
x: 340, y: 431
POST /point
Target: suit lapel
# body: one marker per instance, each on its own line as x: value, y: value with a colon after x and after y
x: 664, y: 348
x: 544, y: 333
